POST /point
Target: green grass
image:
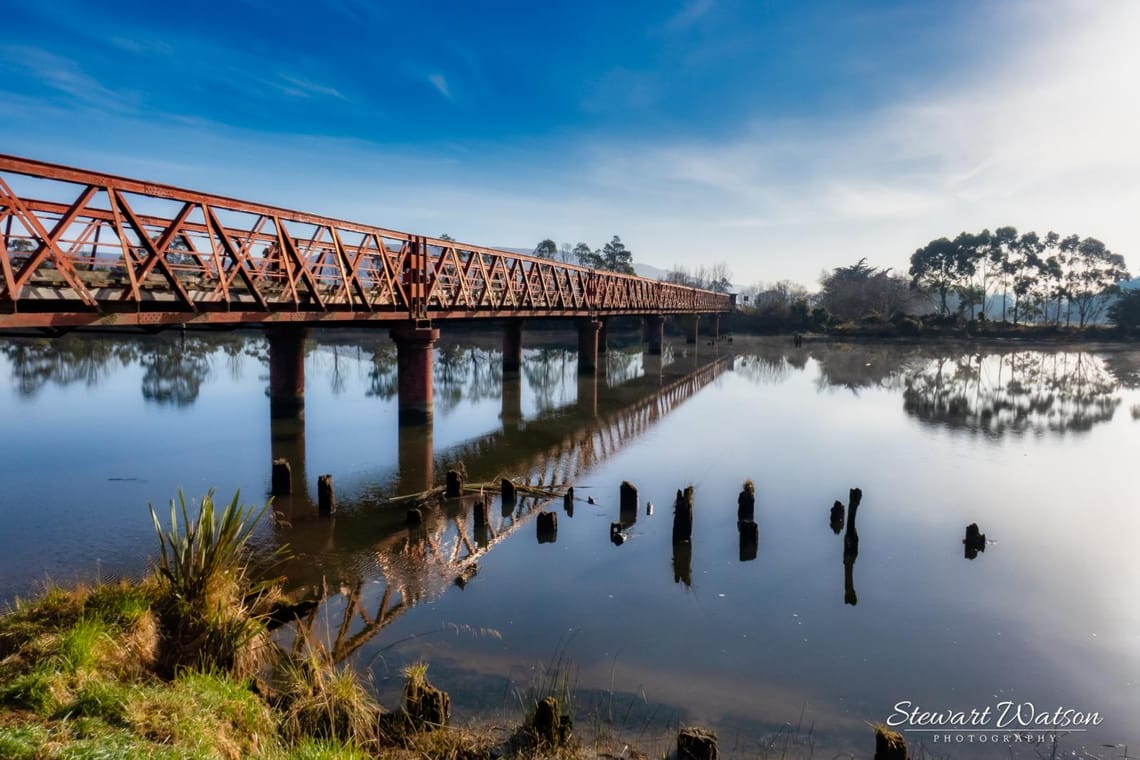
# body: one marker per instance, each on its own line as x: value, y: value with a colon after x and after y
x: 324, y: 701
x: 207, y: 713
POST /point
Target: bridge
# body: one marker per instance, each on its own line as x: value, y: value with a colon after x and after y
x: 81, y: 249
x: 419, y: 565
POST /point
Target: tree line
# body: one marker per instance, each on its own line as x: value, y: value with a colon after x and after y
x: 1038, y: 279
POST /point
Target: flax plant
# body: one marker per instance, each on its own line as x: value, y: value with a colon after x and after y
x: 211, y: 607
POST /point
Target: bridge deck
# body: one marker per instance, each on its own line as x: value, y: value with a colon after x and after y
x: 81, y: 248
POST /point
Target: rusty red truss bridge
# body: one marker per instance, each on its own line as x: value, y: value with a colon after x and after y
x: 84, y: 249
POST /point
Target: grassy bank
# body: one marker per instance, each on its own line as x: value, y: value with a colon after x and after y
x: 184, y: 664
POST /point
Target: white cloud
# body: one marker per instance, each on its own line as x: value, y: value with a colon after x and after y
x: 1046, y: 142
x: 439, y: 82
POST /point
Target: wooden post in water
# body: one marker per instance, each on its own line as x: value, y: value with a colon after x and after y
x: 326, y: 497
x: 547, y: 527
x: 746, y: 502
x: 415, y: 518
x: 454, y: 485
x: 282, y: 480
x: 696, y: 744
x: 683, y: 516
x: 480, y: 520
x: 509, y: 495
x: 889, y: 745
x: 629, y: 504
x: 568, y: 501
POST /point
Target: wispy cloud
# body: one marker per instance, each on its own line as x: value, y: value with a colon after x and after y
x: 439, y: 82
x: 63, y: 76
x: 304, y: 88
x: 690, y: 13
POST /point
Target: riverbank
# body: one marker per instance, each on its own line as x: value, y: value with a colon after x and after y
x: 201, y: 659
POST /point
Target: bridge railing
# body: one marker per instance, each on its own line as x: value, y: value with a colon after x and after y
x: 77, y: 241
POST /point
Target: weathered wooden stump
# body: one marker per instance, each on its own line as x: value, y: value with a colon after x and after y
x: 551, y: 728
x: 683, y: 516
x: 326, y: 497
x: 854, y: 499
x: 837, y: 512
x: 509, y: 494
x: 616, y: 536
x: 479, y: 515
x: 746, y: 502
x: 628, y: 509
x: 281, y: 483
x: 568, y: 501
x: 749, y: 539
x: 649, y: 508
x: 454, y: 485
x: 426, y: 706
x: 547, y: 527
x: 889, y: 745
x: 975, y: 541
x: 415, y: 518
x: 695, y: 743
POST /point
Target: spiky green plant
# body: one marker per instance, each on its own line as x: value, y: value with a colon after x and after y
x: 207, y: 555
x: 210, y: 611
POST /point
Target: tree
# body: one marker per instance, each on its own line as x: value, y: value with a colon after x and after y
x: 616, y: 257
x: 447, y: 238
x: 679, y: 275
x: 587, y: 257
x: 1125, y: 311
x: 944, y: 266
x: 566, y: 253
x: 547, y: 249
x: 860, y: 290
x: 1094, y: 272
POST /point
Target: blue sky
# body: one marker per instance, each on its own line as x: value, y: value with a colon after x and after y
x: 781, y: 138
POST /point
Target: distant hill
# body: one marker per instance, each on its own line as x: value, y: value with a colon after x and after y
x: 641, y: 269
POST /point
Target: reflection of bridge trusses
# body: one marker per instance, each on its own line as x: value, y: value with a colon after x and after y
x: 419, y: 564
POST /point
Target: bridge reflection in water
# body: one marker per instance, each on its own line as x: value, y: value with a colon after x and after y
x: 417, y: 565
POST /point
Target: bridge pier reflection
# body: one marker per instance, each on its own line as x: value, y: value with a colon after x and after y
x: 415, y: 459
x: 603, y: 336
x: 511, y: 413
x: 413, y: 373
x: 286, y: 371
x: 588, y: 346
x: 655, y: 333
x: 694, y: 335
x: 287, y: 441
x: 588, y: 395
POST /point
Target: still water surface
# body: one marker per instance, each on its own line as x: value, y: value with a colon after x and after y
x: 1036, y: 446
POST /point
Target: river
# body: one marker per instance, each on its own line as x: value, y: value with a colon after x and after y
x: 786, y: 646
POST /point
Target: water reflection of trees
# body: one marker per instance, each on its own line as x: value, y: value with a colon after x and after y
x: 550, y: 372
x: 174, y: 365
x: 1018, y: 392
x: 622, y: 366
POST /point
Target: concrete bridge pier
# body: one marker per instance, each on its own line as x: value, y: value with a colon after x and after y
x: 654, y: 327
x: 413, y: 373
x: 603, y: 336
x: 588, y: 345
x: 512, y: 346
x: 695, y: 335
x: 286, y: 372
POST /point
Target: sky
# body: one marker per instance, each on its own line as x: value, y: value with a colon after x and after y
x: 781, y: 138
